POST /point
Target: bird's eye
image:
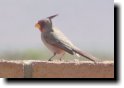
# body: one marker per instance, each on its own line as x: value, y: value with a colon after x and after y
x: 40, y: 23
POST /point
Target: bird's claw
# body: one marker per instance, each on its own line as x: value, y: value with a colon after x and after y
x: 50, y: 60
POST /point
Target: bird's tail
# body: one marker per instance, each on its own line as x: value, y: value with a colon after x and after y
x: 85, y: 54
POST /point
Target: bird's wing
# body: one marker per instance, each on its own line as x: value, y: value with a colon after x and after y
x: 59, y: 41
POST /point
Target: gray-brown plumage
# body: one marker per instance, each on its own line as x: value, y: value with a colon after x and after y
x: 56, y: 41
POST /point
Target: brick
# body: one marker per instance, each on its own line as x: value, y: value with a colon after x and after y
x: 11, y: 69
x: 83, y: 69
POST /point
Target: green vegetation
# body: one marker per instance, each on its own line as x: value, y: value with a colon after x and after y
x: 38, y: 54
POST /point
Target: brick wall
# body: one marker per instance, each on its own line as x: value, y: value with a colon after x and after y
x: 54, y: 69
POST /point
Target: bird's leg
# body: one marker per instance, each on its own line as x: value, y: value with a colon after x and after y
x: 62, y: 56
x: 52, y: 57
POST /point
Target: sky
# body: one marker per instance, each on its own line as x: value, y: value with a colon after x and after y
x: 89, y: 24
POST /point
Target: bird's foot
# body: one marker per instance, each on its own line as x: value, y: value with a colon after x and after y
x: 61, y: 59
x: 50, y: 60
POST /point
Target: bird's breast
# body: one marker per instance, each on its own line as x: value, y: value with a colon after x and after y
x: 52, y: 48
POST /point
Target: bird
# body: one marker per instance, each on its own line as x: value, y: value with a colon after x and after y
x: 57, y: 42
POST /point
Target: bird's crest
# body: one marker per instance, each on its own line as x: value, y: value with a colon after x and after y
x: 51, y: 17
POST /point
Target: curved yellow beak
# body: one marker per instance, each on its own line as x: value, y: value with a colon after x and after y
x: 37, y: 26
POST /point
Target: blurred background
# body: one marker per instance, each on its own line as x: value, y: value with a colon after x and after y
x: 89, y: 24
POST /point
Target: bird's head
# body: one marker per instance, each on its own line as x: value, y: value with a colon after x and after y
x: 45, y: 24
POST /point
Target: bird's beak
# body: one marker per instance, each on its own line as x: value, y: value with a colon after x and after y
x: 51, y: 17
x: 37, y: 25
